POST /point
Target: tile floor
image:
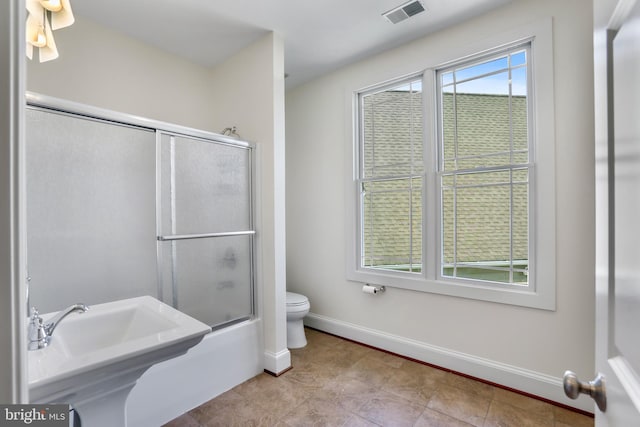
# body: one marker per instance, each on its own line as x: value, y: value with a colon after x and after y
x: 335, y: 382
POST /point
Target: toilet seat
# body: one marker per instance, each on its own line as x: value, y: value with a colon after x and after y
x: 296, y: 300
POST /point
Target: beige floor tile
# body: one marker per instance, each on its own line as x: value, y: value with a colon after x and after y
x: 335, y: 382
x: 356, y: 421
x: 310, y: 376
x: 275, y: 395
x: 387, y: 409
x: 411, y: 386
x: 387, y: 359
x: 573, y: 419
x: 462, y: 404
x: 369, y: 370
x: 350, y: 394
x: 315, y: 412
x: 430, y: 418
x: 543, y: 409
x: 231, y: 409
x: 502, y: 414
x: 469, y: 385
x: 428, y: 373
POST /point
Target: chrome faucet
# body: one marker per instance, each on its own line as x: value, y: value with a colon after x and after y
x: 40, y: 332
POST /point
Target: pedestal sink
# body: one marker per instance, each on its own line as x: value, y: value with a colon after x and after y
x: 95, y: 358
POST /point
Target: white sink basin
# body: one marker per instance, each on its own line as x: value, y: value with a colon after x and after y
x: 108, y: 347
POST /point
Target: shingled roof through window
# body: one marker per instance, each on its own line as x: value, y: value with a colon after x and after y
x: 393, y: 148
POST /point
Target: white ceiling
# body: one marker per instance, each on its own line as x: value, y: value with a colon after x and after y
x: 319, y: 35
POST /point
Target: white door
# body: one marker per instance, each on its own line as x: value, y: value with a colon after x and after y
x: 617, y: 98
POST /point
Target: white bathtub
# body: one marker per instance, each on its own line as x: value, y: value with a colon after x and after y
x: 224, y: 359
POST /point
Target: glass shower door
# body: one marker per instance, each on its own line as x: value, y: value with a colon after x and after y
x: 90, y: 209
x: 206, y: 228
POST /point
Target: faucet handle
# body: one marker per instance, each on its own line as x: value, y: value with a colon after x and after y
x: 37, y: 335
x: 36, y: 321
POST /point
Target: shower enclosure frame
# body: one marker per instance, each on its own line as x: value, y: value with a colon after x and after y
x: 162, y: 129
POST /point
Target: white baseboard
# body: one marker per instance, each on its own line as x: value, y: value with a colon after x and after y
x: 277, y: 363
x: 524, y: 380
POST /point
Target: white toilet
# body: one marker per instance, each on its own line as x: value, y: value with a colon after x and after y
x: 297, y: 307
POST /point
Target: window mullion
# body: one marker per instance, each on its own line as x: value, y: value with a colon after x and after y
x: 431, y: 209
x: 511, y: 161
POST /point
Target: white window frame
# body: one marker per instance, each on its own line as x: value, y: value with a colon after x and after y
x: 540, y: 293
x: 502, y: 51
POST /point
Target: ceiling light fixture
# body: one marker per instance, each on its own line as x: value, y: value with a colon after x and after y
x: 43, y: 17
x: 404, y: 11
x: 35, y: 33
x: 52, y: 5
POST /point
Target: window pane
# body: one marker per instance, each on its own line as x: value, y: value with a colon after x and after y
x: 481, y: 129
x: 479, y: 273
x: 448, y: 231
x: 482, y: 178
x: 448, y: 131
x: 519, y: 82
x: 476, y: 131
x: 477, y: 229
x: 480, y: 69
x: 497, y: 84
x: 483, y: 160
x: 485, y: 225
x: 485, y: 117
x: 482, y: 120
x: 482, y: 224
x: 521, y: 176
x: 521, y: 223
x: 521, y: 157
x: 519, y: 114
x: 518, y: 58
x: 392, y: 131
x: 447, y: 79
x: 392, y: 224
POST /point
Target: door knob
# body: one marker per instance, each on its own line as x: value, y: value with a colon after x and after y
x: 573, y: 387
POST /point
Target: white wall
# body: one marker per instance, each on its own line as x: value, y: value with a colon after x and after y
x: 519, y: 347
x: 100, y: 67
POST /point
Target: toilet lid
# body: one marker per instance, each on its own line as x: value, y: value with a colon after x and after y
x: 296, y: 299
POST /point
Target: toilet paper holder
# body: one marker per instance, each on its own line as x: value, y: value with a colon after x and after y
x: 368, y: 289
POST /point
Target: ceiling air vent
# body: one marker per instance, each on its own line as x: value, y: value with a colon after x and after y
x: 404, y: 11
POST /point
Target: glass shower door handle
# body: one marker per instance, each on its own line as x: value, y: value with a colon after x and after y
x: 204, y: 235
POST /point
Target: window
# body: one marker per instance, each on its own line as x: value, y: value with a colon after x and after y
x: 484, y: 168
x: 391, y: 178
x: 454, y: 177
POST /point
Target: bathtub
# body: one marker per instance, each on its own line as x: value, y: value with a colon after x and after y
x: 222, y: 360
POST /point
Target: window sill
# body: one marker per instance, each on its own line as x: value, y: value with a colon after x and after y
x: 474, y: 290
